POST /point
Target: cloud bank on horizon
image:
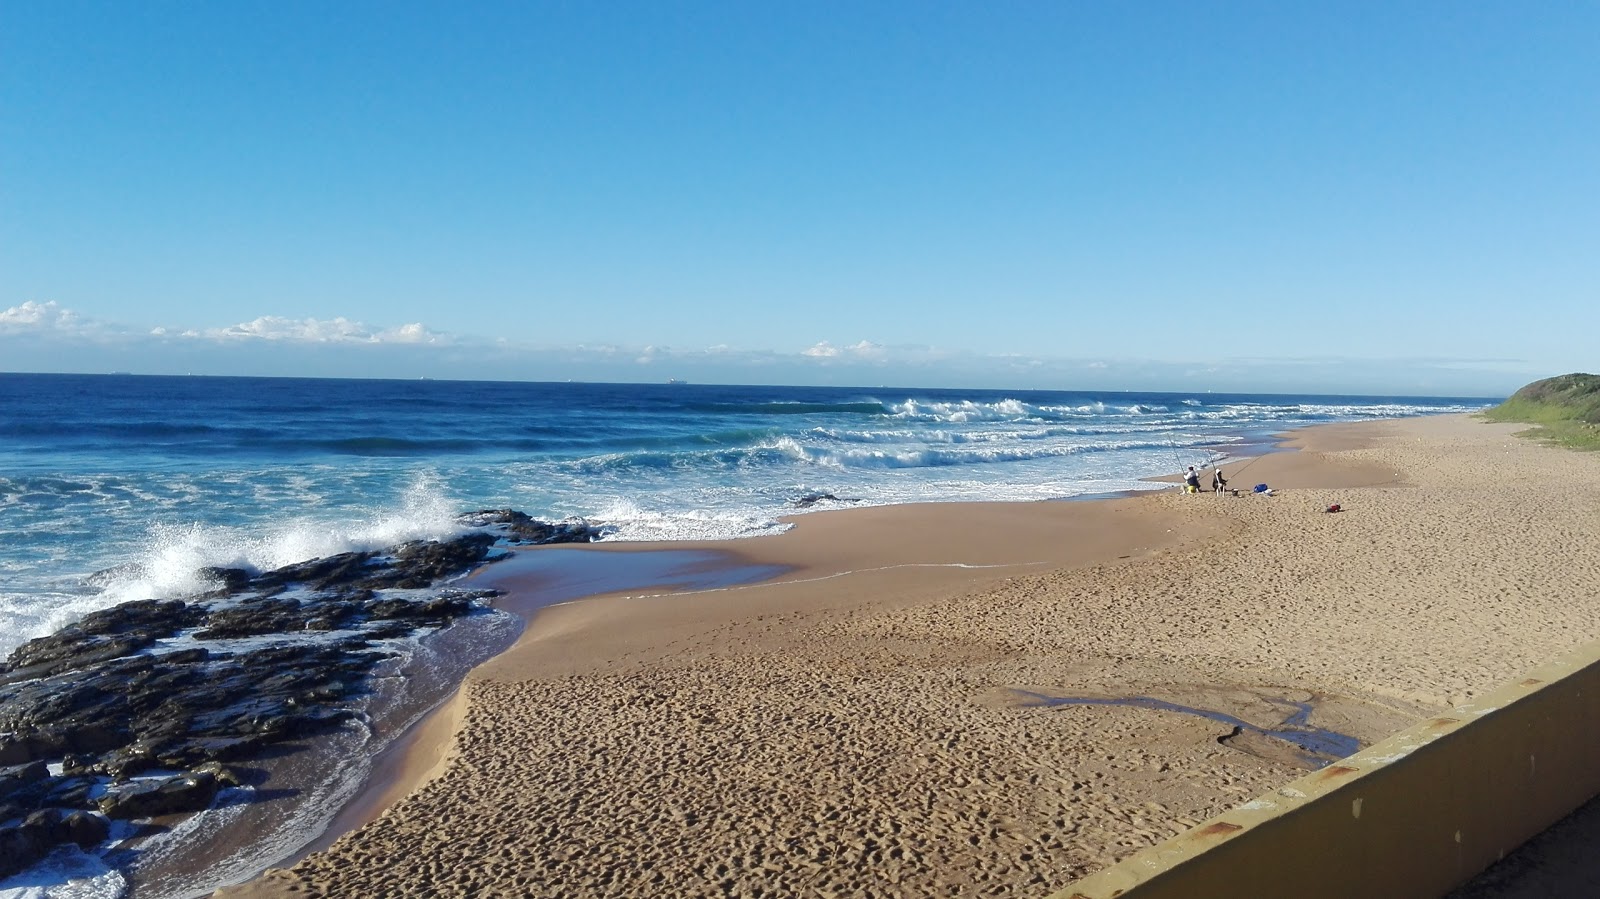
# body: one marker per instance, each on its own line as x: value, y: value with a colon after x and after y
x: 34, y: 334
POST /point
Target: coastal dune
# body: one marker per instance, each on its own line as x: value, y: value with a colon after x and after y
x: 934, y: 700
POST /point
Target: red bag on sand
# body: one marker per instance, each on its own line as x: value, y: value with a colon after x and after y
x: 1334, y: 508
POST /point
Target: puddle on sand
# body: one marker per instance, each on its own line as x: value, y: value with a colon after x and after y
x: 1315, y: 746
x: 547, y: 576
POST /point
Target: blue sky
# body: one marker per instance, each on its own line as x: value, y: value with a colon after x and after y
x: 1237, y: 196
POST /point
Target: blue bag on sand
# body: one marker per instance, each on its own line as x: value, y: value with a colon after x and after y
x: 1261, y: 488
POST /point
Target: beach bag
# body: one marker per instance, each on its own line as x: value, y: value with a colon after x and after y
x: 1261, y: 488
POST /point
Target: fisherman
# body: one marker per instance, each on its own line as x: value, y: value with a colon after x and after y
x: 1218, y: 482
x: 1191, y: 481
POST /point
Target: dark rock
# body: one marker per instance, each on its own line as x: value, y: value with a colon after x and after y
x: 20, y: 847
x: 99, y: 636
x: 811, y: 499
x: 223, y: 774
x: 189, y: 792
x: 46, y: 822
x: 229, y: 581
x: 63, y: 651
x: 250, y: 619
x: 439, y: 608
x: 21, y: 777
x: 390, y: 630
x: 150, y: 616
x: 320, y: 573
x: 185, y: 656
x: 332, y: 616
x: 58, y: 740
x: 128, y: 761
x: 204, y: 749
x: 84, y: 829
x: 70, y: 791
x: 521, y: 528
x: 15, y: 751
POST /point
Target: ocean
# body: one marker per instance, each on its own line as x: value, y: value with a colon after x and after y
x: 151, y: 478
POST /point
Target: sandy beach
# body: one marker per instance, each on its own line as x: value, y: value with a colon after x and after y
x: 883, y: 718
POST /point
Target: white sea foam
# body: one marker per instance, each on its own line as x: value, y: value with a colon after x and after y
x: 966, y: 410
x: 68, y: 873
x: 626, y: 520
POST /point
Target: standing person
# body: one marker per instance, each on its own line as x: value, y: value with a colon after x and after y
x: 1191, y: 481
x: 1218, y: 482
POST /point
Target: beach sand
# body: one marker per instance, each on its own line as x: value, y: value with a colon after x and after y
x: 868, y: 723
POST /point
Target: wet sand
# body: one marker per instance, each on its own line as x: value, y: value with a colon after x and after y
x: 867, y: 723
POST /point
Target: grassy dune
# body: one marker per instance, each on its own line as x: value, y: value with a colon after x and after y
x: 1564, y: 409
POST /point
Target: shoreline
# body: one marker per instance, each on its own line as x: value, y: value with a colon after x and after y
x: 416, y: 756
x: 610, y: 636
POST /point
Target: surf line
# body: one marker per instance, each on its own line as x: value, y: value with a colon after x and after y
x: 829, y: 577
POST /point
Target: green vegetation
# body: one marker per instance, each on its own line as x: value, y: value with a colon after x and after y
x: 1565, y: 408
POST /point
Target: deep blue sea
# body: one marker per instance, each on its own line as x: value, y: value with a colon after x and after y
x: 158, y: 476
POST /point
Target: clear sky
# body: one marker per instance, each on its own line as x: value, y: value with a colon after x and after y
x: 1368, y: 197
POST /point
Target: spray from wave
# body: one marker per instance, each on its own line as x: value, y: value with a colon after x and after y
x: 176, y: 553
x: 169, y: 558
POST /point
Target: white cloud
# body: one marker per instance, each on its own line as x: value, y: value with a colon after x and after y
x: 313, y: 330
x: 414, y: 332
x: 46, y: 316
x: 44, y: 336
x: 866, y: 349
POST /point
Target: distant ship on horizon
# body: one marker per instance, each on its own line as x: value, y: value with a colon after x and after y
x: 676, y: 381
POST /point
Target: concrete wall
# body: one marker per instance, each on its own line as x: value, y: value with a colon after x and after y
x: 1415, y: 815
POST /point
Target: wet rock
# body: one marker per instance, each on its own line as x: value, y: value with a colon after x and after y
x: 522, y: 528
x: 99, y: 636
x: 54, y: 654
x: 127, y: 761
x: 253, y: 618
x: 60, y: 739
x: 70, y: 791
x: 210, y: 749
x: 811, y: 499
x: 320, y: 573
x: 184, y: 656
x: 18, y: 778
x: 20, y: 847
x: 85, y: 829
x: 441, y: 608
x: 189, y: 792
x: 223, y: 774
x: 229, y: 581
x: 391, y: 630
x: 332, y: 616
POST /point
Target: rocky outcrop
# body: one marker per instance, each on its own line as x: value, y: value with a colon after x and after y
x: 189, y: 792
x: 519, y: 528
x: 99, y: 636
x: 141, y: 705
